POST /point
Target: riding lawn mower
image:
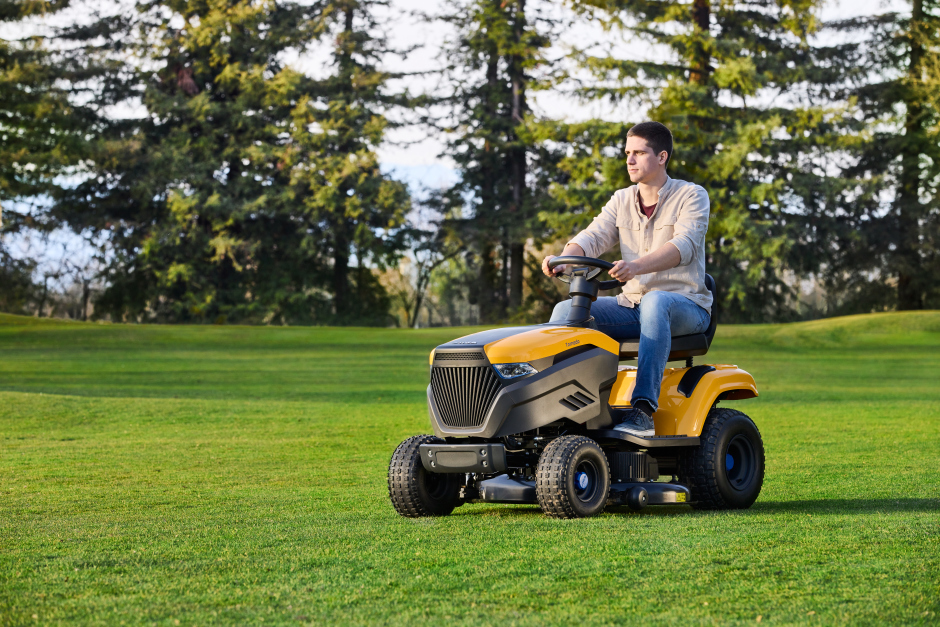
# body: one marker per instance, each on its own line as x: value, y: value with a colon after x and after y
x: 525, y: 415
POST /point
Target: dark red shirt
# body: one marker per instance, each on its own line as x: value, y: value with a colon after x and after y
x: 648, y: 211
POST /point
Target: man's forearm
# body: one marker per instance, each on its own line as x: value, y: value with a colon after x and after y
x: 573, y: 250
x: 665, y: 257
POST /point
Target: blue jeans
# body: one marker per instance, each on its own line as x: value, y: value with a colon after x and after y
x: 658, y: 317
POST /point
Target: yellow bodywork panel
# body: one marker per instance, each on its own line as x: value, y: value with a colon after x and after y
x: 678, y: 415
x: 548, y: 342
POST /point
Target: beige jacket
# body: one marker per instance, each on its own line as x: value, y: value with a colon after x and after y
x: 681, y: 219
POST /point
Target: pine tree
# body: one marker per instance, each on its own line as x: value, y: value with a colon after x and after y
x: 496, y: 60
x: 335, y: 168
x: 41, y: 138
x: 231, y: 200
x: 918, y: 259
x: 746, y: 96
x: 899, y: 95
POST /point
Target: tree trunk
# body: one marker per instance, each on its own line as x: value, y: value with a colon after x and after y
x: 341, y: 239
x: 910, y: 295
x: 701, y: 16
x: 45, y: 294
x: 413, y: 313
x: 487, y: 285
x: 516, y: 262
x: 516, y: 230
x: 503, y: 293
x: 86, y: 293
x: 340, y: 272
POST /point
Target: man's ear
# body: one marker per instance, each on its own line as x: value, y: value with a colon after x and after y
x: 663, y: 157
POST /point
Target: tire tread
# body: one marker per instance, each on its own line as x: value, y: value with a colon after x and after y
x: 403, y: 487
x: 550, y: 489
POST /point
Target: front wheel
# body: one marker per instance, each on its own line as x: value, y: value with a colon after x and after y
x: 573, y: 478
x: 414, y: 491
x: 727, y: 470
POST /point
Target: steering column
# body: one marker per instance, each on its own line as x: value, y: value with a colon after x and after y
x: 583, y: 285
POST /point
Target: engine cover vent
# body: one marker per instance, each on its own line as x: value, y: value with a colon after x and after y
x: 458, y: 356
x: 577, y: 401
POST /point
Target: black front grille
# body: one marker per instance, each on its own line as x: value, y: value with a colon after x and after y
x: 458, y: 356
x: 464, y: 395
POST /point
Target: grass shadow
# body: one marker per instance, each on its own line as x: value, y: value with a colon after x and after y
x: 849, y: 506
x: 820, y: 507
x: 500, y: 510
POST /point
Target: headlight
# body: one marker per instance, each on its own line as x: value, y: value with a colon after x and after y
x: 512, y: 371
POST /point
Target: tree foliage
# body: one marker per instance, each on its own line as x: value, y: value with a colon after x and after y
x: 41, y: 138
x: 495, y: 62
x: 898, y: 96
x: 241, y: 187
x: 247, y: 186
x: 745, y: 93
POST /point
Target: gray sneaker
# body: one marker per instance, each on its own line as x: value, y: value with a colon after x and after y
x: 636, y: 422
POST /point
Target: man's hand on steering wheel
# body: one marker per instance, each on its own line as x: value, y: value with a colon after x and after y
x: 588, y: 268
x: 571, y: 250
x: 622, y: 271
x: 548, y: 271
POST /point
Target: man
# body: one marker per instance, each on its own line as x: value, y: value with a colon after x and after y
x: 660, y: 224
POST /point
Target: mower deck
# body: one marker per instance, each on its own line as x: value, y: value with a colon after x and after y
x: 507, y: 489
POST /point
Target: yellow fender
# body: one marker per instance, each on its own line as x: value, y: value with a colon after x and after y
x: 678, y: 415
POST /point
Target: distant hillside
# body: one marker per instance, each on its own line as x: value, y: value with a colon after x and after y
x: 906, y: 326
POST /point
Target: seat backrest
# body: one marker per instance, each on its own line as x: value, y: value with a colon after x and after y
x: 711, y: 287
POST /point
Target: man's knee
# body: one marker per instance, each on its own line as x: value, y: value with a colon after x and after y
x: 654, y: 305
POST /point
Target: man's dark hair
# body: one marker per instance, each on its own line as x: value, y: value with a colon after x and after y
x: 657, y: 135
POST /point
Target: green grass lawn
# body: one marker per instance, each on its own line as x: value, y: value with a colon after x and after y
x: 233, y: 475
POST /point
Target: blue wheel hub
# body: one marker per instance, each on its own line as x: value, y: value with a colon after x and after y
x: 582, y: 481
x: 729, y: 462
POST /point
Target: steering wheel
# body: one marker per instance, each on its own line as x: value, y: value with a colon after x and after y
x: 588, y: 267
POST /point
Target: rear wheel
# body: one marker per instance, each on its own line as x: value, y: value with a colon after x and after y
x: 414, y: 491
x: 573, y: 478
x: 727, y: 470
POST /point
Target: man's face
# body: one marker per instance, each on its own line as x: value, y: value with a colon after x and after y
x: 642, y: 163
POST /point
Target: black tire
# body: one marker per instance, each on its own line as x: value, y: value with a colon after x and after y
x: 727, y: 470
x: 558, y: 475
x: 414, y: 491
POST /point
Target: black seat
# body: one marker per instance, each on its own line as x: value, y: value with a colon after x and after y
x: 684, y: 346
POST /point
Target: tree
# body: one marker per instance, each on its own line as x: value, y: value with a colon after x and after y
x: 243, y: 192
x: 41, y: 137
x: 745, y: 93
x: 918, y: 200
x: 899, y: 95
x: 335, y: 168
x: 17, y: 288
x: 431, y: 247
x: 496, y: 60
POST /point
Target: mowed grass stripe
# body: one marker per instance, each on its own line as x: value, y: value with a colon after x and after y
x: 231, y: 475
